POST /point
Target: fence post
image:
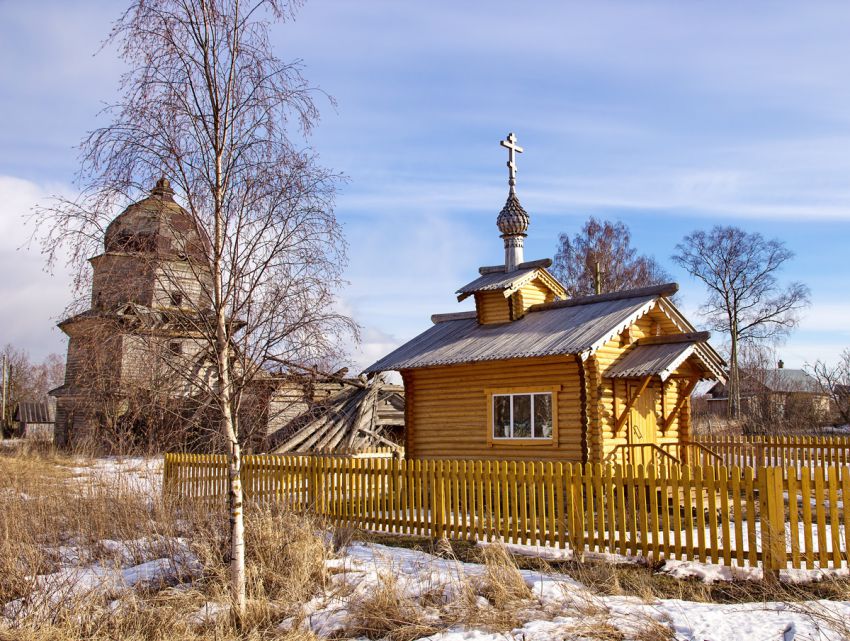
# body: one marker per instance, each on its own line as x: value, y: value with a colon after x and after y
x: 439, y: 500
x: 314, y: 483
x: 167, y: 472
x: 772, y: 521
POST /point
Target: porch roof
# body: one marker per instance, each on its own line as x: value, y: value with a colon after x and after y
x: 662, y: 359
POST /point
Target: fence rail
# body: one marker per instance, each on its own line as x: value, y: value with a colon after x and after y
x: 778, y: 451
x: 730, y: 515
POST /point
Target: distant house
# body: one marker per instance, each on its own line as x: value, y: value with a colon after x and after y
x: 35, y: 420
x: 772, y: 393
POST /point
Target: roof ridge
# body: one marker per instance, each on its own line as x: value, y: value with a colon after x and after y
x: 451, y: 316
x: 664, y: 339
x: 529, y: 264
x: 667, y: 289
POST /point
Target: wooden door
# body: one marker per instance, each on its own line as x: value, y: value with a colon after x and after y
x: 643, y: 425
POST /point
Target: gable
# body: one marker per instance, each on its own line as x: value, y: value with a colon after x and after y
x: 628, y: 354
x: 512, y: 304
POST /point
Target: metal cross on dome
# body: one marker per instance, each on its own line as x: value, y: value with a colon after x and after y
x: 513, y: 149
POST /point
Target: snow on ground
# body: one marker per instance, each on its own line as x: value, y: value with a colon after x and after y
x: 123, y: 565
x: 131, y: 473
x: 561, y: 604
x: 559, y: 607
x: 714, y: 572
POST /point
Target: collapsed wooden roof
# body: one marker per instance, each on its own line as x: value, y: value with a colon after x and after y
x: 359, y: 415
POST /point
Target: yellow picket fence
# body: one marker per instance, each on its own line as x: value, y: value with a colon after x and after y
x: 778, y: 451
x: 775, y: 519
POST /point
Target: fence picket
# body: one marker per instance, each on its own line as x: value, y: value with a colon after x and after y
x: 821, y: 515
x: 835, y: 538
x: 793, y: 517
x: 709, y: 513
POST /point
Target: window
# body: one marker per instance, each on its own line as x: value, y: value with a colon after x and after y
x: 176, y: 298
x: 522, y: 416
x: 175, y: 347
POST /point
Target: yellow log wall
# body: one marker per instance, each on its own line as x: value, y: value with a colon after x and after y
x: 602, y: 440
x: 447, y: 409
x: 492, y: 307
x: 533, y: 293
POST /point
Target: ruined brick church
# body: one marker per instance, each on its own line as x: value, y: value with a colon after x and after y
x: 137, y: 361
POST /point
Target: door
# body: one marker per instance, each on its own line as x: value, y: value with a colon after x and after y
x: 643, y: 425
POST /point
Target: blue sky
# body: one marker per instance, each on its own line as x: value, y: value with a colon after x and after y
x: 669, y: 116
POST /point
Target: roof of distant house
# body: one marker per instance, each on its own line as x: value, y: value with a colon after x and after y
x: 34, y: 413
x: 786, y: 380
x: 779, y: 380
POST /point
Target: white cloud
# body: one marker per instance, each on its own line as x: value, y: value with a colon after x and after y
x: 33, y: 300
x: 829, y: 317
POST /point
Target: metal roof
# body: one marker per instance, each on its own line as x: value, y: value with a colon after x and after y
x: 544, y: 332
x: 498, y: 281
x: 34, y: 413
x: 648, y: 360
x: 784, y: 380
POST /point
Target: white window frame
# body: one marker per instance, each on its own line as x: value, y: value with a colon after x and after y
x: 532, y: 437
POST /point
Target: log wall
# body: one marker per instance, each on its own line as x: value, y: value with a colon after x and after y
x: 447, y: 409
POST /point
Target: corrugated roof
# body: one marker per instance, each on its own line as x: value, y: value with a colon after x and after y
x: 497, y: 281
x: 34, y: 413
x: 547, y: 332
x: 785, y: 380
x: 647, y: 360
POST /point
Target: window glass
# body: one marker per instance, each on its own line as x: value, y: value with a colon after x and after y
x: 542, y: 416
x: 502, y: 416
x: 522, y: 416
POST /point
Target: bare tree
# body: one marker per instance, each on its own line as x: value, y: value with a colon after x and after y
x: 834, y: 381
x: 745, y: 299
x: 206, y: 102
x: 30, y: 381
x: 608, y: 245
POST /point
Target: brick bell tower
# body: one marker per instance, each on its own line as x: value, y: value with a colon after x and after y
x: 151, y: 277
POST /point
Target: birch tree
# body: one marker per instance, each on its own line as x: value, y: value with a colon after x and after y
x: 608, y: 246
x: 746, y: 301
x: 206, y: 102
x: 834, y: 381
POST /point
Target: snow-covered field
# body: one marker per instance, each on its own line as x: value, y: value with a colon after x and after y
x: 560, y: 604
x: 130, y: 473
x: 559, y: 607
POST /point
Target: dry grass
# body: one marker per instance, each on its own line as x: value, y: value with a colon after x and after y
x: 493, y: 602
x: 503, y: 584
x: 45, y: 512
x: 388, y: 613
x: 42, y: 507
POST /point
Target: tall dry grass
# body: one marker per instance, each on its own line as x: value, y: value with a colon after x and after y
x: 52, y: 520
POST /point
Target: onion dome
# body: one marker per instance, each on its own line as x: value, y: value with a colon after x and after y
x: 156, y: 224
x: 513, y: 219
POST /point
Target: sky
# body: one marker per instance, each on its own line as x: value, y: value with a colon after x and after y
x: 668, y: 116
